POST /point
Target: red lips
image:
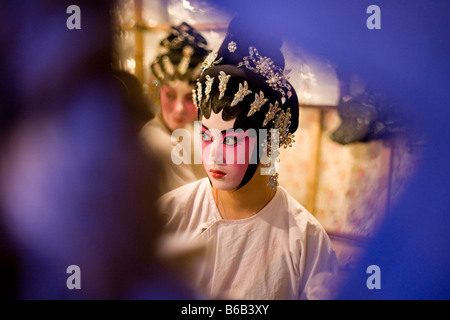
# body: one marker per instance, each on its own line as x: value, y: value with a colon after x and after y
x: 217, y: 173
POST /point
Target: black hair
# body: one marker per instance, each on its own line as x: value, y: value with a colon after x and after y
x: 136, y: 102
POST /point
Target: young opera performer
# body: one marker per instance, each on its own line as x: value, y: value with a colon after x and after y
x: 260, y: 243
x: 175, y: 70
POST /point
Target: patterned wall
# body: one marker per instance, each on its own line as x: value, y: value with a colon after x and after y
x: 347, y: 187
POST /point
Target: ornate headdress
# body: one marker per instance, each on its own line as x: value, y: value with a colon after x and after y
x: 180, y: 55
x: 266, y: 85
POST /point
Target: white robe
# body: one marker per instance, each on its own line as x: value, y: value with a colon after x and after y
x: 271, y: 255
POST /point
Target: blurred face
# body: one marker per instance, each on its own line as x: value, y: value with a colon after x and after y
x: 226, y: 152
x: 177, y: 107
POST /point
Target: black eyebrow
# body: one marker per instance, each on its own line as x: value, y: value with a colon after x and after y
x: 222, y: 132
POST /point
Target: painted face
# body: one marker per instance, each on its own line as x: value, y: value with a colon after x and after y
x: 177, y: 107
x: 226, y: 153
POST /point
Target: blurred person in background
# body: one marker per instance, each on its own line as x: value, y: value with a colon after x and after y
x: 175, y: 70
x: 75, y: 183
x: 138, y: 102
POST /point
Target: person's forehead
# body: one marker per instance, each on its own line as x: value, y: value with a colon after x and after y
x: 180, y: 86
x: 215, y: 121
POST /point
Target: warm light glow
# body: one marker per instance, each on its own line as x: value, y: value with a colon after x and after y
x: 187, y: 5
x: 130, y: 65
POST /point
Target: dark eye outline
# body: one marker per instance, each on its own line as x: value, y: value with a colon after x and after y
x: 235, y: 140
x: 188, y: 98
x: 170, y: 95
x: 206, y: 137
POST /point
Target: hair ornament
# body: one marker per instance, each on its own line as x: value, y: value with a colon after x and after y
x: 232, y: 46
x: 199, y: 93
x: 257, y: 104
x: 272, y: 146
x: 158, y: 71
x: 282, y: 124
x: 194, y: 98
x: 240, y: 95
x: 209, y: 83
x: 186, y: 60
x: 223, y: 80
x: 168, y: 66
x: 181, y: 34
x: 210, y: 60
x: 276, y: 77
x: 270, y: 115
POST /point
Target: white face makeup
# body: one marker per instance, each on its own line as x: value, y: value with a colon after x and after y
x: 177, y: 107
x: 226, y: 152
